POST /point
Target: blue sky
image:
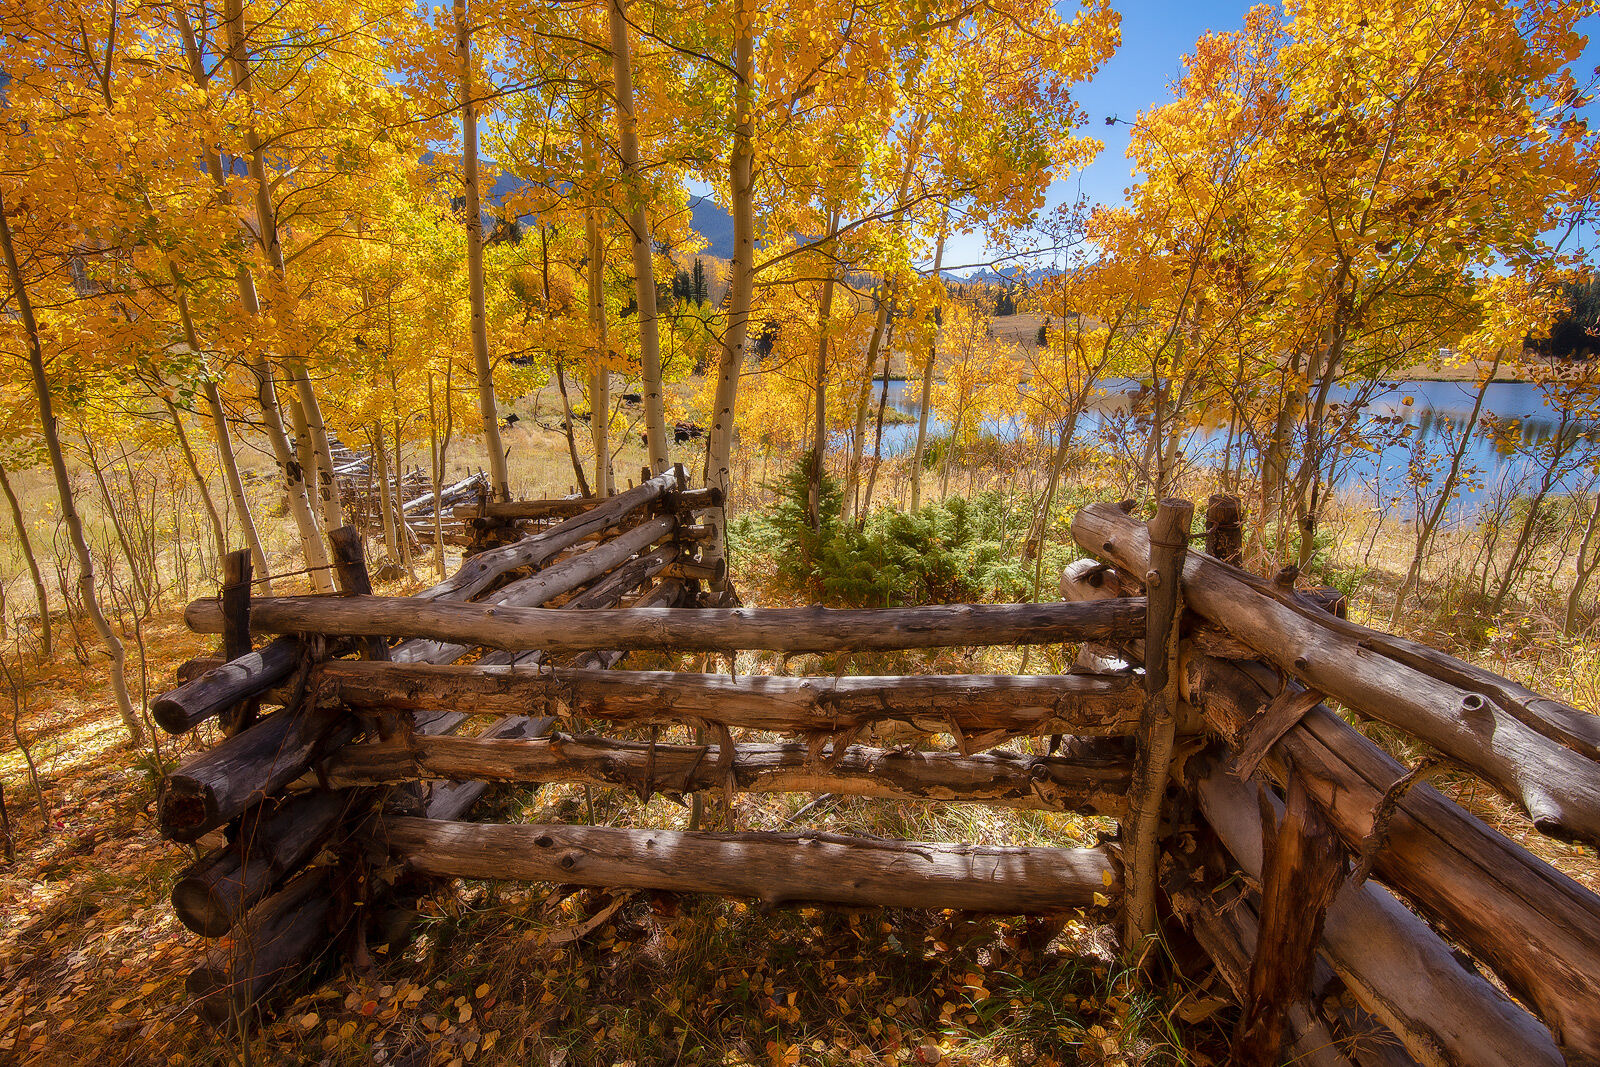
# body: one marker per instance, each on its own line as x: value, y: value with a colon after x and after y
x: 1156, y: 34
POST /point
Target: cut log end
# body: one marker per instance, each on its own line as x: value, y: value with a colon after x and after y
x: 186, y: 809
x: 200, y: 908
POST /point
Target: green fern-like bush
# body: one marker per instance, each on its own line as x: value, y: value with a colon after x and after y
x: 956, y: 550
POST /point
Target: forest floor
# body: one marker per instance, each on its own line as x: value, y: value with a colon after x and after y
x: 93, y: 961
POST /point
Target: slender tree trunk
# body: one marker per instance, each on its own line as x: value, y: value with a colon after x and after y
x: 316, y: 553
x: 877, y: 435
x: 224, y: 440
x: 644, y: 275
x: 403, y: 531
x: 499, y: 478
x: 26, y: 543
x: 819, y: 419
x: 438, y: 449
x: 858, y: 441
x: 69, y: 510
x: 1521, y: 550
x: 742, y: 267
x: 599, y: 364
x: 137, y: 574
x: 311, y: 434
x: 386, y: 495
x: 927, y: 383
x: 199, y: 479
x: 1427, y: 525
x: 572, y: 439
x: 1583, y: 566
x: 321, y: 450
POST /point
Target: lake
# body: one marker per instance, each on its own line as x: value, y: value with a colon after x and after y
x: 1433, y: 409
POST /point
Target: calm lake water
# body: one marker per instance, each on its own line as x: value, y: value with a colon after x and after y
x: 1435, y: 408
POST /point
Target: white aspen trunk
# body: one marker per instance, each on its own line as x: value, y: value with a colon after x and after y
x: 927, y: 389
x: 741, y: 268
x: 311, y: 435
x: 69, y: 510
x: 644, y: 275
x: 224, y: 441
x: 316, y: 553
x: 199, y: 479
x: 599, y: 364
x: 819, y: 427
x: 386, y: 506
x: 26, y: 543
x: 438, y: 448
x: 499, y: 479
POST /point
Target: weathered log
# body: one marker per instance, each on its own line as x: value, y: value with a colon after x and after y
x: 972, y: 704
x: 193, y: 702
x: 1224, y: 532
x: 277, y: 940
x: 697, y: 531
x: 700, y: 499
x: 1445, y: 1014
x: 556, y: 580
x: 452, y: 800
x: 1537, y: 928
x: 236, y: 569
x: 423, y: 504
x: 350, y: 568
x: 1304, y: 864
x: 1225, y: 926
x: 1093, y: 783
x: 775, y: 868
x: 606, y: 593
x: 626, y: 580
x: 1169, y: 537
x: 559, y: 508
x: 480, y: 571
x: 1557, y: 786
x: 226, y: 685
x: 272, y: 842
x: 256, y: 763
x: 707, y: 630
x: 694, y: 570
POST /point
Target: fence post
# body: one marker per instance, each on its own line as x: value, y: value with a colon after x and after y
x: 236, y: 575
x: 1169, y: 542
x: 350, y: 568
x: 1224, y: 533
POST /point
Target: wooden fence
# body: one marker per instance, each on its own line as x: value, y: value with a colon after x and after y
x: 1356, y: 913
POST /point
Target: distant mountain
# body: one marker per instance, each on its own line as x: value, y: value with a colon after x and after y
x: 714, y: 224
x: 1013, y: 275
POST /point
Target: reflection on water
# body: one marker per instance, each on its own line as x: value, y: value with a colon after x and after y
x: 1518, y: 411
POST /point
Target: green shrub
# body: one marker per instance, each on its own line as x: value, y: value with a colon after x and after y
x: 954, y: 550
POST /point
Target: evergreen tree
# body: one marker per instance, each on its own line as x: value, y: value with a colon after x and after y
x: 698, y: 290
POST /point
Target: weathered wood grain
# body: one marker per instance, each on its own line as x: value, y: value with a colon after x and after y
x: 775, y: 868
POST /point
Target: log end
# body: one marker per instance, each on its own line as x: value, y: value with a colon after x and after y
x: 215, y: 998
x: 186, y: 809
x: 199, y: 908
x: 171, y: 714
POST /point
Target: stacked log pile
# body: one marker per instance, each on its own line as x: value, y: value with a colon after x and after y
x: 369, y: 490
x: 284, y: 876
x: 1289, y: 840
x: 1357, y: 914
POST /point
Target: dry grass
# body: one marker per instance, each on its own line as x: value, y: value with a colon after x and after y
x: 92, y: 960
